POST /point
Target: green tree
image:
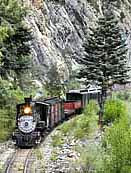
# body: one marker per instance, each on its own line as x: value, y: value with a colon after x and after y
x: 53, y: 85
x: 15, y: 50
x: 105, y: 59
x: 15, y: 62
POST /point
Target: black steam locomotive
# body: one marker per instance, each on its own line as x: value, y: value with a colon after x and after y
x: 34, y: 117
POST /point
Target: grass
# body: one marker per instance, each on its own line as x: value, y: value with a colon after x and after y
x: 83, y: 124
x: 57, y: 140
x: 7, y: 124
x: 66, y: 128
x: 38, y: 154
x: 1, y: 167
x: 39, y: 161
x: 54, y: 156
x: 79, y: 127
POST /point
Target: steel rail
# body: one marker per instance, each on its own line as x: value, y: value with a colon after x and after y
x: 26, y: 164
x: 16, y: 157
x: 10, y: 163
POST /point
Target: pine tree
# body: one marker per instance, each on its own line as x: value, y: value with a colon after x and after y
x: 14, y: 48
x: 105, y: 60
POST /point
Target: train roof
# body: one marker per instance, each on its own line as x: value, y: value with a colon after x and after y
x: 47, y: 101
x: 52, y: 100
x: 86, y: 90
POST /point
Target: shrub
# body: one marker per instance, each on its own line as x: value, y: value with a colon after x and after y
x: 123, y: 95
x: 91, y: 108
x: 6, y: 123
x: 117, y: 142
x: 82, y: 128
x: 113, y: 110
x: 88, y: 121
x: 9, y: 97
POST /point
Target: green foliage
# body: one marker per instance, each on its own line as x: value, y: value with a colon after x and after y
x: 90, y: 159
x: 73, y: 82
x: 14, y: 61
x: 105, y: 60
x: 87, y: 123
x: 11, y: 11
x: 82, y: 128
x: 83, y: 124
x: 57, y: 140
x: 113, y: 110
x: 91, y: 108
x: 54, y: 156
x: 113, y: 154
x: 3, y: 33
x: 7, y: 124
x: 9, y: 97
x: 14, y: 47
x: 38, y: 154
x: 67, y: 127
x: 53, y: 84
x: 117, y: 142
x: 123, y: 95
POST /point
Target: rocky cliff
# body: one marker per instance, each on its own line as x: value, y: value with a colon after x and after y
x: 59, y: 28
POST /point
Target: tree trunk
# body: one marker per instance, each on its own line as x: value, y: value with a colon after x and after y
x: 101, y: 104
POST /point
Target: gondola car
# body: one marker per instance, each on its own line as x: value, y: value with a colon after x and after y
x: 76, y: 100
x: 33, y: 117
x: 72, y: 107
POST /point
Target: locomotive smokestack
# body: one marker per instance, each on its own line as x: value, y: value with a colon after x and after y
x: 28, y: 99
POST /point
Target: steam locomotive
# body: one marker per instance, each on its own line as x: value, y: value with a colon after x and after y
x: 35, y: 117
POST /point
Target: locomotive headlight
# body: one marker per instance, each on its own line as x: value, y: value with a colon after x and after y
x: 27, y: 110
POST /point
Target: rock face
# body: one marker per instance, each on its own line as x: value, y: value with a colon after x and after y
x: 59, y: 28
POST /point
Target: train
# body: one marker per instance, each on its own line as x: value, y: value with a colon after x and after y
x: 34, y: 118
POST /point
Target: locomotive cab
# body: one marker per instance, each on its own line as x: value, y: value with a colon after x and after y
x: 42, y: 110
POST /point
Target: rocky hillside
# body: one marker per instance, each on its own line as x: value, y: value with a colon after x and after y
x: 59, y: 28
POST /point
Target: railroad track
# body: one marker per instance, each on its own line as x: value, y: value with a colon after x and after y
x: 20, y: 162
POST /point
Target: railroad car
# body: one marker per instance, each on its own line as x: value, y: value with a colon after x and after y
x: 76, y: 100
x: 72, y: 107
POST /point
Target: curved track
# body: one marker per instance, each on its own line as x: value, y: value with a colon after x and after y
x: 19, y: 162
